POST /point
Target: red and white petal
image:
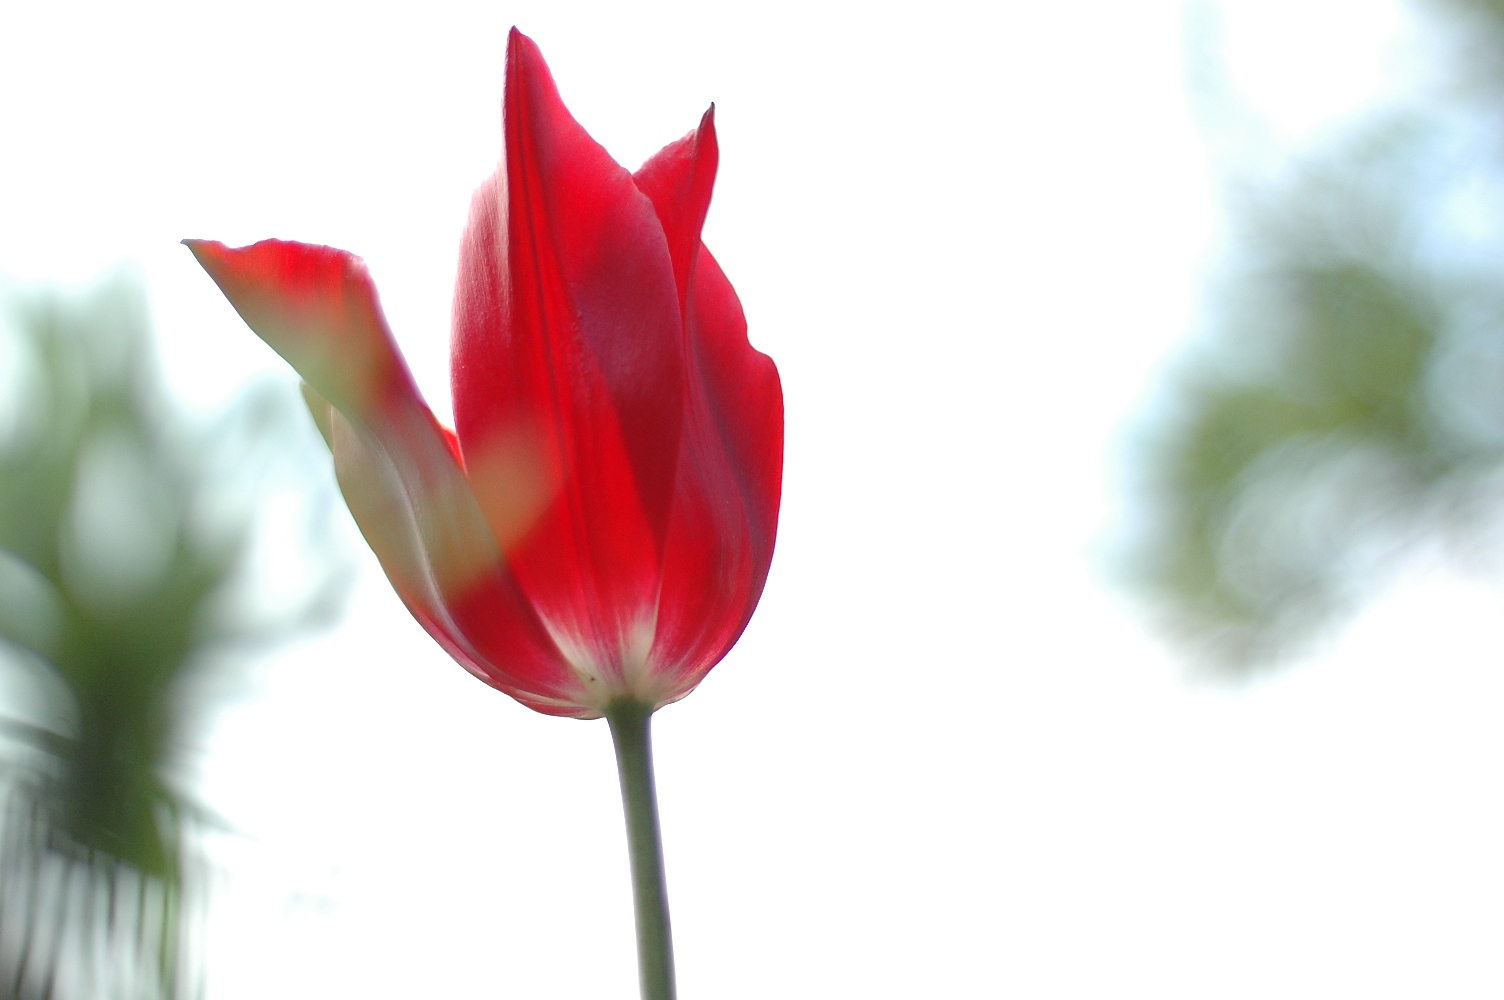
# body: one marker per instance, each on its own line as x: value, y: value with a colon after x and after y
x: 397, y: 470
x: 416, y: 511
x: 568, y: 365
x: 317, y: 307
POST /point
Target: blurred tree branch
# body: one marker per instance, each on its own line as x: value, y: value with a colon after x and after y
x: 1344, y: 405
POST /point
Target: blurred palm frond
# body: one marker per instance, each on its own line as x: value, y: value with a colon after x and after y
x: 133, y: 557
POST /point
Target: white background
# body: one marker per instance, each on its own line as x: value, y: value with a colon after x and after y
x: 944, y: 760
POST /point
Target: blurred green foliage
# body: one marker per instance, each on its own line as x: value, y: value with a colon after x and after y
x: 134, y: 559
x: 1344, y: 406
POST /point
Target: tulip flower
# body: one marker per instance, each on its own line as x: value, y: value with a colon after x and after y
x: 595, y: 536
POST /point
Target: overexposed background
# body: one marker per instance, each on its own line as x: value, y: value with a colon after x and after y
x: 945, y: 759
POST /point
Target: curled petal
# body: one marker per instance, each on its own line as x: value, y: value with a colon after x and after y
x: 420, y: 518
x: 315, y: 306
x: 397, y: 467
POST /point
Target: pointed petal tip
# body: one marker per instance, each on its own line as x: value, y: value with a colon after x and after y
x: 520, y: 46
x: 705, y: 133
x: 200, y: 247
x: 212, y: 255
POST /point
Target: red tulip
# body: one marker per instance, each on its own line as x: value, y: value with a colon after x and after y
x: 601, y: 527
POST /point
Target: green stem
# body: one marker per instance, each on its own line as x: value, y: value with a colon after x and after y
x: 630, y: 731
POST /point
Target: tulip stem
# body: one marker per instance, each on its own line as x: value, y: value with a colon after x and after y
x: 630, y: 730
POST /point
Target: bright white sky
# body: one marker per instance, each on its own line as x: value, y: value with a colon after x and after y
x: 943, y: 761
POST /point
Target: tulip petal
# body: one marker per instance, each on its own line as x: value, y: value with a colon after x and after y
x: 413, y: 517
x: 678, y: 181
x: 317, y: 307
x: 730, y: 468
x: 725, y: 520
x: 568, y: 373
